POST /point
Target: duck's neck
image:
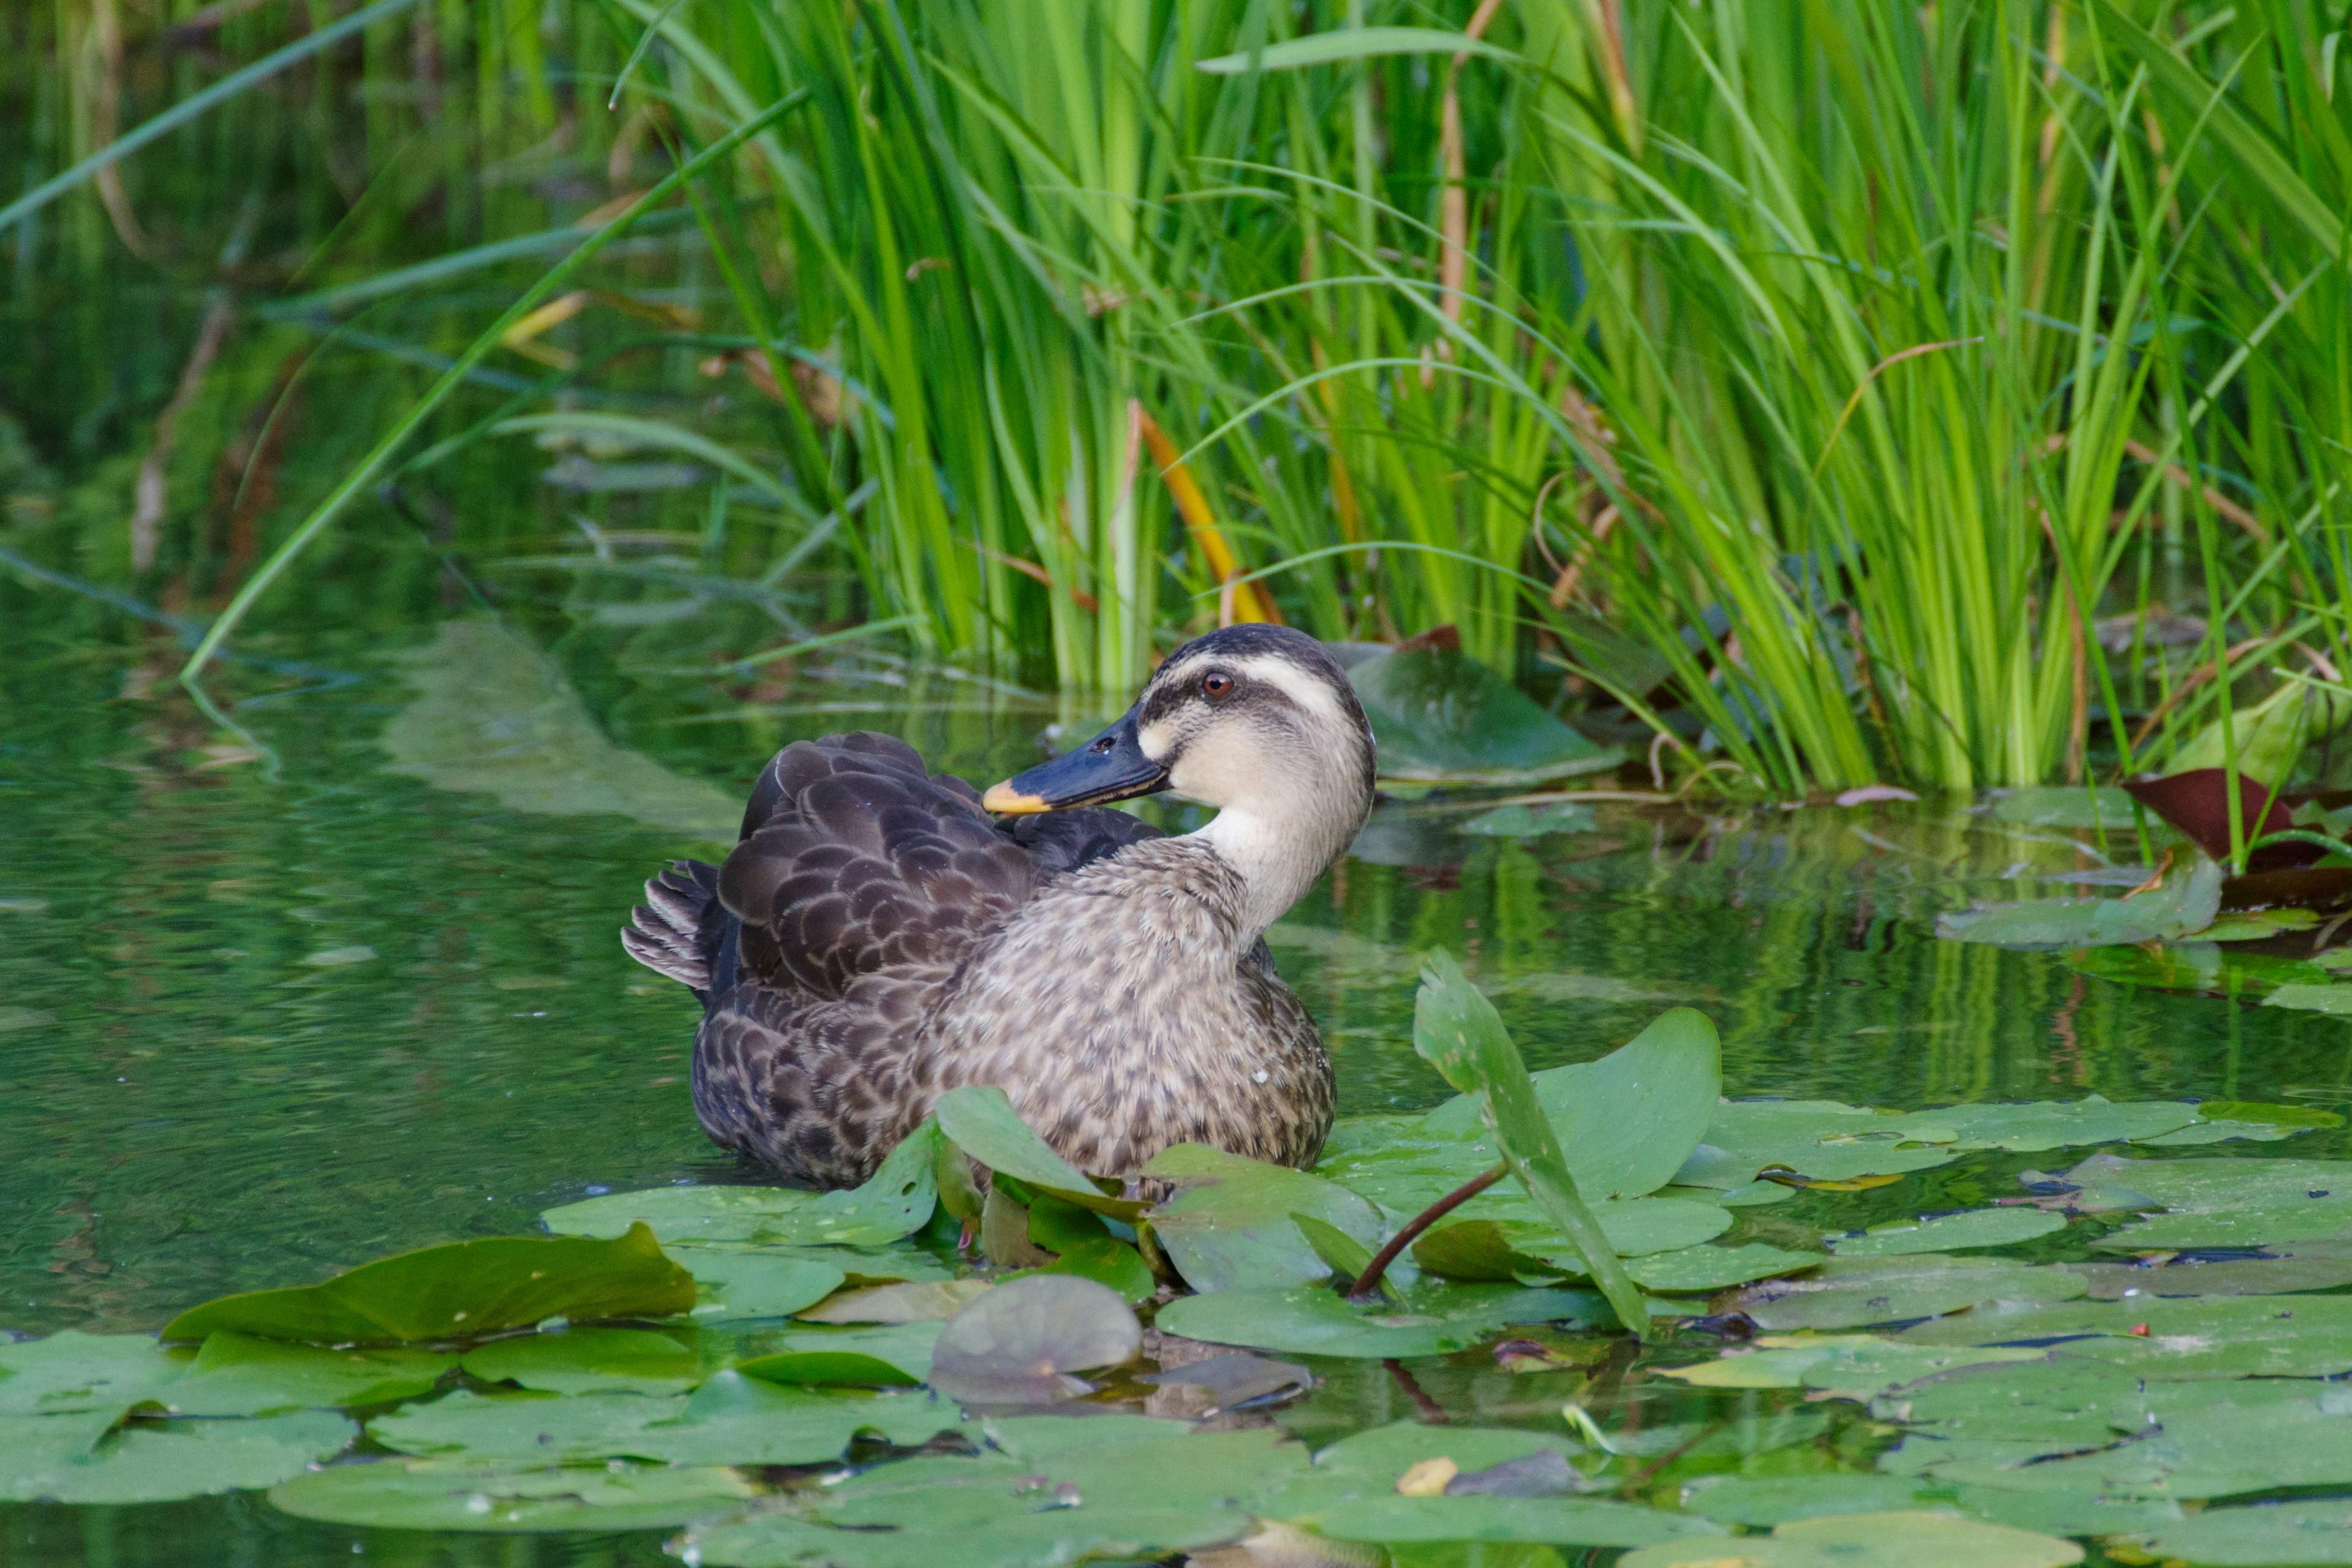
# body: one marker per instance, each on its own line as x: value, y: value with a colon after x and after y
x: 1277, y: 853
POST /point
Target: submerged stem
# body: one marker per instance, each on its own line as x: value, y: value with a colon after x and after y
x: 1368, y: 1284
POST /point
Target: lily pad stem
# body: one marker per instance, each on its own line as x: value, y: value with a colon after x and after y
x: 1368, y: 1284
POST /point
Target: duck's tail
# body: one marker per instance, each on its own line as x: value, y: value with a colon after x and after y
x: 681, y: 929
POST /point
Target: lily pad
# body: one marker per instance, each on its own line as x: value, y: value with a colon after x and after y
x: 1627, y: 1123
x: 2107, y: 808
x: 1313, y: 1321
x: 1477, y: 1249
x: 1762, y: 1501
x: 1458, y: 1031
x: 1850, y: 1366
x: 1819, y: 1139
x: 735, y: 1283
x: 1228, y: 1225
x: 2182, y: 907
x: 238, y: 1374
x: 154, y: 1462
x: 2331, y: 999
x: 1437, y: 715
x: 980, y: 1120
x: 2185, y: 1338
x: 1110, y: 1262
x: 929, y: 1301
x: 1712, y: 1267
x: 896, y: 1201
x: 2308, y: 1534
x: 2282, y: 1269
x: 1903, y: 1539
x: 462, y: 1289
x: 2228, y: 1202
x: 2027, y: 1128
x: 1851, y: 1293
x: 439, y: 1494
x: 588, y: 1361
x: 1560, y: 1521
x: 1947, y: 1233
x: 897, y: 1356
x: 72, y: 1372
x: 1533, y: 821
x: 682, y: 1214
x: 1020, y: 1343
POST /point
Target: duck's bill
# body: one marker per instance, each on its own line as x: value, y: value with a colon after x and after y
x: 1109, y: 767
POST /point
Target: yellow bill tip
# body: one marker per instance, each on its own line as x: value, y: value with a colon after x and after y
x: 1006, y: 801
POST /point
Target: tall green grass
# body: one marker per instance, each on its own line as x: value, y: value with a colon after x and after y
x: 1837, y: 388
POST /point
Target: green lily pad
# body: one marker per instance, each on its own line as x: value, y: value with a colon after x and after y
x: 1627, y: 1123
x: 2226, y: 1203
x: 2198, y: 966
x: 2308, y: 1534
x: 1021, y: 1342
x: 1533, y: 821
x: 2282, y: 1269
x: 2332, y: 999
x: 238, y: 1374
x: 1477, y: 1249
x: 73, y: 1458
x: 1902, y: 1539
x: 2107, y: 808
x: 1712, y: 1267
x: 589, y: 1361
x: 1458, y: 1031
x: 896, y: 1201
x: 2182, y: 907
x: 459, y: 1291
x: 682, y: 1214
x: 1763, y: 1501
x: 1819, y: 1139
x: 1108, y: 1261
x: 2219, y: 1120
x: 1439, y: 716
x: 979, y: 1119
x: 897, y: 1356
x: 1634, y: 1228
x: 1852, y: 1293
x: 929, y: 1301
x: 1560, y: 1521
x: 750, y: 1282
x: 1369, y: 1464
x: 1228, y: 1225
x: 439, y: 1494
x: 1850, y: 1366
x: 2184, y: 1338
x: 70, y: 1371
x: 2027, y: 1128
x: 1947, y: 1233
x: 1314, y: 1321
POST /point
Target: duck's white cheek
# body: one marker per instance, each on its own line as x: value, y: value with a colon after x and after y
x: 1157, y: 739
x: 1219, y: 767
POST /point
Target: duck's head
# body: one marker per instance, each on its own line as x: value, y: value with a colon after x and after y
x: 1257, y: 721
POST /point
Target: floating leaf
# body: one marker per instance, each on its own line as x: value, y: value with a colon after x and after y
x: 71, y: 1371
x: 1852, y: 1366
x: 2187, y: 1337
x: 2185, y: 905
x: 1947, y: 1233
x: 1235, y: 1378
x: 1903, y: 1539
x: 2045, y: 1124
x: 681, y: 1214
x: 742, y: 1282
x: 1627, y: 1123
x: 2110, y: 809
x: 2331, y: 999
x: 1845, y: 1293
x: 1712, y: 1267
x: 980, y: 1120
x: 72, y: 1458
x: 2226, y: 1203
x: 1458, y: 1031
x: 2289, y: 1267
x: 929, y: 1301
x: 2310, y: 1535
x: 439, y: 1494
x: 1019, y: 1343
x: 1533, y: 821
x: 588, y: 1361
x: 897, y: 1356
x: 1476, y: 1249
x: 1109, y: 1262
x: 896, y: 1201
x: 1819, y: 1139
x: 238, y: 1374
x: 462, y: 1289
x: 1314, y: 1321
x: 1228, y: 1225
x: 1437, y: 715
x: 1560, y: 1521
x: 1761, y: 1501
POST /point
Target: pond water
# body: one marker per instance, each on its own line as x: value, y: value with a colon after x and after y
x: 270, y: 1006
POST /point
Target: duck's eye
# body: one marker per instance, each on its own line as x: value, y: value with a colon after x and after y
x: 1216, y: 684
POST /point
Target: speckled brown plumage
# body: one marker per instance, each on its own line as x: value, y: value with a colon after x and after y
x: 876, y: 939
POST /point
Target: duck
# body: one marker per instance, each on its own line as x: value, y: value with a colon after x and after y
x: 881, y: 934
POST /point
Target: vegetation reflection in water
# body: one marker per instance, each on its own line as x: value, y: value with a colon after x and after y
x: 433, y: 946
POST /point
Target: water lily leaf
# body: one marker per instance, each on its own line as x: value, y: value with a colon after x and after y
x: 1228, y: 1225
x: 2228, y: 1202
x: 1439, y: 716
x: 1902, y: 1539
x: 588, y: 1361
x: 1761, y: 1501
x: 1532, y: 821
x: 2045, y: 1124
x: 1109, y: 1262
x: 238, y: 1374
x: 744, y: 1283
x: 152, y: 1462
x: 1020, y: 1343
x: 2111, y: 809
x: 1342, y: 1254
x: 897, y: 1356
x: 2310, y: 1535
x: 680, y: 1213
x: 2182, y: 907
x: 1458, y: 1031
x: 1476, y: 1249
x: 2275, y: 1271
x: 71, y: 1371
x: 2195, y: 799
x: 1712, y: 1267
x: 1947, y: 1233
x: 1235, y: 1378
x: 1058, y: 1225
x: 2220, y: 1121
x: 1850, y: 1366
x: 980, y: 1120
x: 1560, y: 1521
x: 2331, y: 999
x: 896, y: 1201
x: 461, y: 1289
x: 493, y: 715
x: 2200, y: 966
x: 2185, y: 1337
x: 1627, y: 1123
x: 1850, y: 1293
x: 928, y: 1301
x: 1819, y: 1139
x: 440, y: 1494
x: 1314, y: 1321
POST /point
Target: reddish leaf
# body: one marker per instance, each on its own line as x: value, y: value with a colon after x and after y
x: 2196, y: 803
